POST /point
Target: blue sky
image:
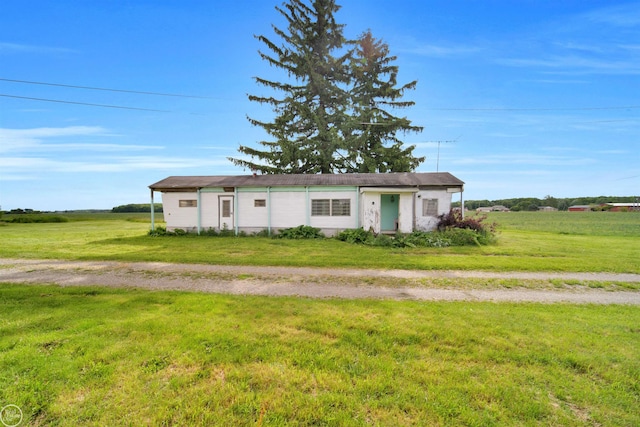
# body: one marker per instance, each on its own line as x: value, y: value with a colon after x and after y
x: 531, y: 97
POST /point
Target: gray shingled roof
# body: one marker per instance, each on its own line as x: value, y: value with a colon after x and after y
x: 178, y: 183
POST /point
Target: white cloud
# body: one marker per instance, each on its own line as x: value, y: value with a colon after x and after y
x: 524, y: 159
x: 6, y: 47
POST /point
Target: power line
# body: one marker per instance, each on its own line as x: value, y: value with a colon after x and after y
x: 104, y: 89
x: 85, y: 103
x: 629, y: 107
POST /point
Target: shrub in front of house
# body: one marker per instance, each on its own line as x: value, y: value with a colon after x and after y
x: 300, y: 232
x: 466, y: 231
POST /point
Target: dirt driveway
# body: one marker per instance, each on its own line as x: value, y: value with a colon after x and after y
x: 583, y: 288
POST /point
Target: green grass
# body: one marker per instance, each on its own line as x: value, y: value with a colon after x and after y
x: 536, y: 241
x: 95, y: 356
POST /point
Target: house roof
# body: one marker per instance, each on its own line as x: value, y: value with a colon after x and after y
x: 192, y: 183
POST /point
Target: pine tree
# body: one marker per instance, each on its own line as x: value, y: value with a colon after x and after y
x: 306, y: 130
x: 372, y: 128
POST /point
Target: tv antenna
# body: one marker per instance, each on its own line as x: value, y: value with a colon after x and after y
x: 438, y: 157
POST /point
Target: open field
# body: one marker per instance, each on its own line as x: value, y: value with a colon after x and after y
x: 96, y: 356
x: 106, y: 356
x: 527, y: 241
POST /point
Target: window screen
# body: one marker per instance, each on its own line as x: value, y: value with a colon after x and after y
x: 429, y: 207
x: 260, y: 203
x: 188, y: 203
x: 340, y: 207
x: 320, y: 207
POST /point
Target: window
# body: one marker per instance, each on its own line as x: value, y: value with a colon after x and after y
x: 259, y: 203
x: 320, y: 207
x: 226, y: 208
x: 429, y: 207
x: 331, y: 207
x: 188, y: 203
x: 340, y: 207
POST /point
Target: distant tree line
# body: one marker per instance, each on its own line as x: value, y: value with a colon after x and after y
x: 140, y: 207
x: 532, y: 203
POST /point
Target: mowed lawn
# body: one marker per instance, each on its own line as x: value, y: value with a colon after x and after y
x: 527, y: 241
x: 96, y: 357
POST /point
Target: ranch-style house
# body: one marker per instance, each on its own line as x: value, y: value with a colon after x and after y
x: 380, y: 202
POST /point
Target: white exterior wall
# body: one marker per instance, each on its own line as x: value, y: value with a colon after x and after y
x: 371, y: 216
x: 370, y: 211
x: 250, y: 217
x: 333, y: 224
x: 288, y: 208
x: 291, y: 207
x: 428, y: 223
x: 405, y: 212
x: 177, y: 217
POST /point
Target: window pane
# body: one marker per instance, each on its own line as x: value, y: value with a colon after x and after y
x: 226, y: 208
x: 429, y: 207
x: 188, y: 203
x: 340, y: 207
x: 260, y: 203
x: 320, y: 207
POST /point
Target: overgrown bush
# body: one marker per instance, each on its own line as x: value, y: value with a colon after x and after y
x: 300, y: 232
x: 356, y: 236
x: 474, y: 229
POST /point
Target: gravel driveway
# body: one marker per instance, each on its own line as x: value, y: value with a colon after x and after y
x: 584, y: 288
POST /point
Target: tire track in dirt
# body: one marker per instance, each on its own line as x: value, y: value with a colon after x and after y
x: 315, y: 282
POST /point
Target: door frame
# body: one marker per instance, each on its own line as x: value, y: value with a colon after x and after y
x: 222, y: 219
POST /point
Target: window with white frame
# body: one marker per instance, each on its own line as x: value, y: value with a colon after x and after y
x: 259, y: 203
x: 188, y: 203
x: 429, y: 207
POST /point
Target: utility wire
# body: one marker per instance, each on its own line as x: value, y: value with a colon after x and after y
x: 85, y: 103
x: 104, y: 89
x: 630, y: 107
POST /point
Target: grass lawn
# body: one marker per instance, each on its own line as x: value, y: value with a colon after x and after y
x: 527, y: 241
x: 94, y: 356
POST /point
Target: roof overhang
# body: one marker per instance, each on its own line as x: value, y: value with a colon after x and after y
x: 390, y: 190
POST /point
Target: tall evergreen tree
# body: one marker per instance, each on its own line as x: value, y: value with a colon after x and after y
x: 311, y: 110
x: 372, y: 134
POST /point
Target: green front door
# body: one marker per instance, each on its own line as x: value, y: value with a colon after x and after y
x: 389, y: 212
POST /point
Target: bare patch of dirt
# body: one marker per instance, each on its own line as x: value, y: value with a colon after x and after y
x: 586, y: 288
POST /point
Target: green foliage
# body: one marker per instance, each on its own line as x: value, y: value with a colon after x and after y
x: 37, y: 218
x: 532, y: 203
x: 300, y: 232
x: 372, y: 132
x: 463, y: 231
x: 90, y: 356
x: 529, y: 241
x: 143, y: 207
x: 323, y: 114
x: 356, y: 235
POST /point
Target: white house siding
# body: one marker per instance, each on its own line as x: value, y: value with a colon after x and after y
x: 174, y: 215
x: 428, y: 223
x: 252, y: 218
x: 405, y: 209
x: 370, y: 211
x: 291, y: 206
x: 331, y: 225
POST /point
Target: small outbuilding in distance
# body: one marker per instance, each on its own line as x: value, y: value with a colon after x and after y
x: 380, y: 202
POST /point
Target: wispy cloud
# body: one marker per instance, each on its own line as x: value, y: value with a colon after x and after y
x: 26, y: 165
x: 525, y: 159
x: 6, y: 47
x: 582, y: 44
x: 37, y: 140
